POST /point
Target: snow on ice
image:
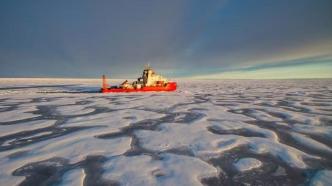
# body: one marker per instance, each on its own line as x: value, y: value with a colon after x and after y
x: 230, y: 132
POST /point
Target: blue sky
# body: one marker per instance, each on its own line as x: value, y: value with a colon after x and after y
x: 180, y: 38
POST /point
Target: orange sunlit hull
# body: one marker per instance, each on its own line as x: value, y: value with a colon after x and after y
x: 171, y: 86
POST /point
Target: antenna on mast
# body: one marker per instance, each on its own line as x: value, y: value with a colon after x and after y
x: 147, y: 66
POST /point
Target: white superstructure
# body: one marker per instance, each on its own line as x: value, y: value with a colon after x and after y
x: 149, y: 79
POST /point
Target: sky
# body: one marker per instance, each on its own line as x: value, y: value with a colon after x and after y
x: 203, y: 39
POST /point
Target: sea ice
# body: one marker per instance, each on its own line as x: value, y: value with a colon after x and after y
x: 73, y: 177
x: 178, y: 137
x: 232, y: 125
x: 324, y: 131
x: 169, y: 170
x: 310, y: 143
x: 17, y: 114
x: 246, y: 164
x: 75, y: 148
x: 203, y: 143
x: 74, y: 110
x: 322, y: 178
x: 25, y: 126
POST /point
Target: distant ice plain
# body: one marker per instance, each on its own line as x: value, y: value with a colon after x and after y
x: 62, y: 132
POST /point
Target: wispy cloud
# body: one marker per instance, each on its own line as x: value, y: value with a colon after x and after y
x: 82, y: 38
x: 313, y: 67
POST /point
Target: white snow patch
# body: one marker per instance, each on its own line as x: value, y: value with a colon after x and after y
x: 260, y: 115
x: 311, y: 143
x: 74, y: 109
x: 25, y: 126
x: 18, y: 114
x: 112, y: 121
x: 246, y: 164
x: 213, y: 112
x: 74, y: 147
x: 236, y: 125
x: 10, y: 180
x: 73, y: 177
x: 322, y: 178
x: 134, y: 170
x: 39, y: 134
x: 204, y: 143
x: 325, y: 131
x: 288, y: 154
x: 170, y: 170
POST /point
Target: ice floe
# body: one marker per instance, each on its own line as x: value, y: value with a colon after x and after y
x: 74, y: 110
x: 282, y: 129
x: 310, y: 143
x: 73, y: 177
x: 322, y: 178
x: 204, y: 143
x: 246, y: 164
x: 25, y: 126
x: 169, y: 170
x: 17, y: 114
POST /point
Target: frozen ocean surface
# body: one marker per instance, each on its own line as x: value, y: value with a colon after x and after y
x: 225, y: 132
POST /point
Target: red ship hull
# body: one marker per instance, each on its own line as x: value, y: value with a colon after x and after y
x: 171, y: 86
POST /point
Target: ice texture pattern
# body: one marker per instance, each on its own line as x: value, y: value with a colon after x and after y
x: 221, y: 132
